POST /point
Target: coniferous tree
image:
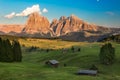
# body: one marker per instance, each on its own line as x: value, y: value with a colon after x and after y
x: 73, y: 49
x: 1, y: 49
x: 107, y: 54
x: 5, y: 51
x: 17, y: 51
x: 8, y: 51
x: 79, y: 49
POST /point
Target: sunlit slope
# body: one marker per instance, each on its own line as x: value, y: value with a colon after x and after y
x: 49, y: 44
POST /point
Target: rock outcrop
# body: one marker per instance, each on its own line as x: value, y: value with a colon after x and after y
x: 37, y: 24
x: 71, y: 24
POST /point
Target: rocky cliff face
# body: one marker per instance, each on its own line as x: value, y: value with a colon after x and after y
x: 37, y: 24
x: 71, y: 24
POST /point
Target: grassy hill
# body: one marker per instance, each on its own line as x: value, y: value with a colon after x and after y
x: 50, y: 44
x: 33, y: 65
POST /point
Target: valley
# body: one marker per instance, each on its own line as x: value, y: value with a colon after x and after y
x: 59, y: 40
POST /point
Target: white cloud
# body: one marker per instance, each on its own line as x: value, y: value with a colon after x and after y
x: 11, y: 15
x: 110, y: 13
x: 44, y: 10
x: 29, y: 10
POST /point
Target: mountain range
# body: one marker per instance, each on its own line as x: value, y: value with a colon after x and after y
x: 66, y: 28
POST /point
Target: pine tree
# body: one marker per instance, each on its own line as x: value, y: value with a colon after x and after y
x: 5, y: 51
x: 73, y: 49
x: 17, y: 51
x: 8, y: 51
x: 1, y: 49
x: 107, y: 54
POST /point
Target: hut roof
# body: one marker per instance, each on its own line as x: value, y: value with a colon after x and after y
x: 53, y: 61
x: 88, y: 72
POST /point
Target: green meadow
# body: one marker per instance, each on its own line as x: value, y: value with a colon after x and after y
x: 33, y: 65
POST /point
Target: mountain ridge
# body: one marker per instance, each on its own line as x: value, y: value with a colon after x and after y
x: 39, y: 26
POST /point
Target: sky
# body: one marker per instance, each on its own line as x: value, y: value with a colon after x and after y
x: 100, y: 12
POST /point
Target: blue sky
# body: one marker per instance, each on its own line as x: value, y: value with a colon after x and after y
x: 100, y: 12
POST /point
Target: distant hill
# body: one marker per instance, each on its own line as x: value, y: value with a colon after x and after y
x: 7, y: 28
x: 114, y: 38
x: 80, y: 36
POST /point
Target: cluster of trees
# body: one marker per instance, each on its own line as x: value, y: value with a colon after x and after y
x: 115, y: 38
x: 107, y: 54
x: 10, y: 51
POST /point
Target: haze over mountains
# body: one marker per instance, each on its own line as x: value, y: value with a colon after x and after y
x: 66, y: 28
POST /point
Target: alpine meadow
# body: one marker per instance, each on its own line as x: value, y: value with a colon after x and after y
x: 59, y: 40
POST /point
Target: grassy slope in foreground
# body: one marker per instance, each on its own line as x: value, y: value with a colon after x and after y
x: 33, y: 68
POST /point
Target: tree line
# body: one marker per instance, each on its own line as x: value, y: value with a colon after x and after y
x: 114, y: 38
x: 10, y: 51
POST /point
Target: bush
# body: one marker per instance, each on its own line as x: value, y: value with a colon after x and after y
x: 73, y: 49
x: 79, y: 49
x: 107, y: 54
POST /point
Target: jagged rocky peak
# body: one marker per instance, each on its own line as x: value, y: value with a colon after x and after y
x: 71, y: 24
x: 73, y: 17
x: 62, y: 18
x: 54, y: 21
x: 36, y: 24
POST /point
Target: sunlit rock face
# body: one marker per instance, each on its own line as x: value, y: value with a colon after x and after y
x: 70, y: 24
x: 37, y: 24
